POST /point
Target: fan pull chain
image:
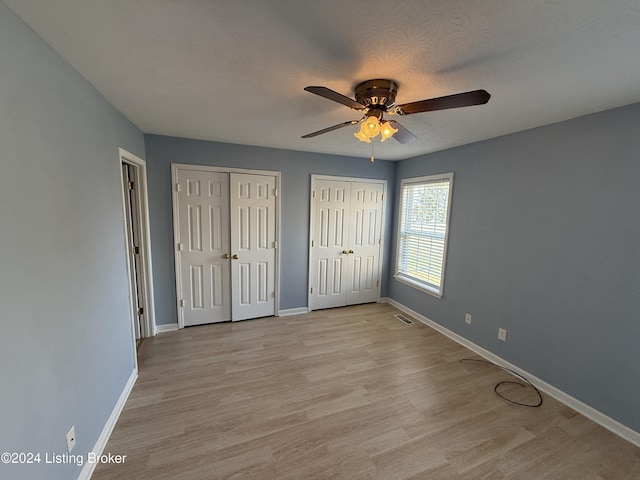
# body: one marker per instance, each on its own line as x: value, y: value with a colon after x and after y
x: 372, y: 159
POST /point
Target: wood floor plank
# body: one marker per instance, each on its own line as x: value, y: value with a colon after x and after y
x: 348, y: 393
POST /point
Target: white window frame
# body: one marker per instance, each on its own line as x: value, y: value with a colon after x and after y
x: 435, y: 290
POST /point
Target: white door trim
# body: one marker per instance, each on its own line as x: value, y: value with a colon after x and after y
x: 347, y: 179
x: 148, y: 325
x: 176, y: 226
x: 310, y: 269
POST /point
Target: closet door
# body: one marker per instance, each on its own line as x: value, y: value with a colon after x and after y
x: 225, y: 225
x: 346, y: 230
x: 329, y: 244
x: 365, y: 220
x: 203, y: 246
x: 253, y: 229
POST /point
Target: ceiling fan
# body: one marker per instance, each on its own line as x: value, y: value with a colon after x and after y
x: 376, y: 97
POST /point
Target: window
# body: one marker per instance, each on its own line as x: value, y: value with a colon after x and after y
x: 422, y: 231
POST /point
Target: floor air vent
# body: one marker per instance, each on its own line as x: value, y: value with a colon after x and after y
x: 404, y: 319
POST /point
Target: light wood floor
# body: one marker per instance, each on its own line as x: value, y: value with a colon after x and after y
x: 349, y: 393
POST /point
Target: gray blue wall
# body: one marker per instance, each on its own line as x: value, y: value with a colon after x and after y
x: 545, y: 242
x: 296, y: 168
x: 66, y: 347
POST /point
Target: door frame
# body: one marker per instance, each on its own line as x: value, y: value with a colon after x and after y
x: 176, y: 226
x: 314, y: 178
x: 148, y: 324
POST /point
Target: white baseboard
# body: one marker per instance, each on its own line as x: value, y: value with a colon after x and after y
x: 293, y: 311
x: 169, y: 327
x: 571, y: 402
x: 98, y: 448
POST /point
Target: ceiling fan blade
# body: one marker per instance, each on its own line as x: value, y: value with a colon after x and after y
x: 335, y: 96
x: 475, y: 97
x: 402, y: 135
x: 330, y: 129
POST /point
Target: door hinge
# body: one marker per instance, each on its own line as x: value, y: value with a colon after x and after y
x: 377, y: 283
x: 313, y: 194
x: 180, y: 247
x: 177, y: 187
x: 275, y: 244
x: 275, y: 192
x: 141, y: 311
x: 311, y: 290
x: 135, y: 250
x: 382, y: 197
x: 131, y: 185
x: 181, y: 303
x: 313, y: 242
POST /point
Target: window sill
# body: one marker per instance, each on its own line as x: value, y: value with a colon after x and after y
x: 418, y: 286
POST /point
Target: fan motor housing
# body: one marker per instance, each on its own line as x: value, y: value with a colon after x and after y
x: 377, y: 93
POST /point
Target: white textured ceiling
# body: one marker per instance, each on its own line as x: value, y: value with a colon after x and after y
x: 234, y: 70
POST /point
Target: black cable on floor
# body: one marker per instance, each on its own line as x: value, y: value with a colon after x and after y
x: 526, y: 383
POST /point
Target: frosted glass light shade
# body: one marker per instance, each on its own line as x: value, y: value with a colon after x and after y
x: 361, y: 135
x: 371, y: 126
x: 387, y: 131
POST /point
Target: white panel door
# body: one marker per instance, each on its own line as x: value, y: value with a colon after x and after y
x: 253, y: 231
x: 329, y: 243
x: 203, y: 246
x: 365, y: 223
x: 346, y: 229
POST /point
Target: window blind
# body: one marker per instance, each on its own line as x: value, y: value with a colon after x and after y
x: 423, y: 228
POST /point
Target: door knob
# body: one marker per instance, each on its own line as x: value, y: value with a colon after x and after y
x: 344, y: 252
x: 350, y: 251
x: 235, y: 256
x: 226, y: 256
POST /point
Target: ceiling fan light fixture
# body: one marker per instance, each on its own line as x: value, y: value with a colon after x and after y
x: 387, y: 130
x: 371, y: 127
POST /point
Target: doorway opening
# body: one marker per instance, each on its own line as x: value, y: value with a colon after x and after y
x: 138, y: 245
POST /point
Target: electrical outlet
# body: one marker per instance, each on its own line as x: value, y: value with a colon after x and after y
x: 467, y: 318
x: 71, y: 439
x: 502, y: 334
